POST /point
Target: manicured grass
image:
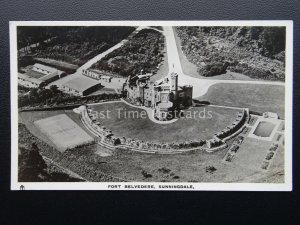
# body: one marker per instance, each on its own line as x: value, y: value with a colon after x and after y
x: 251, y: 154
x: 276, y: 168
x: 184, y: 129
x: 228, y: 76
x: 256, y: 97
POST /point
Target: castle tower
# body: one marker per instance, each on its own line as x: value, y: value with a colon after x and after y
x: 174, y: 87
x: 174, y: 82
x: 188, y: 93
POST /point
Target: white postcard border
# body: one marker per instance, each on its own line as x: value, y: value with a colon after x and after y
x: 286, y: 186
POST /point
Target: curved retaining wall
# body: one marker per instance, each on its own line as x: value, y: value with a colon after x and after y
x: 90, y: 125
x: 104, y: 141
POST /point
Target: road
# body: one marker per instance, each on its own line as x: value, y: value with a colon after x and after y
x: 200, y: 86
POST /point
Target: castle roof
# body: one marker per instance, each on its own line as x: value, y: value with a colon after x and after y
x: 81, y: 83
x: 165, y: 105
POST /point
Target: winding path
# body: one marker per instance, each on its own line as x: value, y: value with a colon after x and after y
x: 97, y: 58
x: 200, y: 86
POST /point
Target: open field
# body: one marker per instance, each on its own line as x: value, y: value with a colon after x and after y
x: 258, y: 98
x: 229, y: 76
x: 63, y: 132
x: 123, y: 123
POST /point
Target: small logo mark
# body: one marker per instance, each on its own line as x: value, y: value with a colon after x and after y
x: 22, y: 187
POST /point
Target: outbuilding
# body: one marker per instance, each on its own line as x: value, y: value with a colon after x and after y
x: 81, y: 86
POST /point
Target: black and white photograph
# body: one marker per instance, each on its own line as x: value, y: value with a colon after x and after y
x: 151, y: 105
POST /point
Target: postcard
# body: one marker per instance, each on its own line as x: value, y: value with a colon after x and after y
x: 151, y: 105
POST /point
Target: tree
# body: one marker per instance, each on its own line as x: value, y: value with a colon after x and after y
x: 273, y: 39
x: 31, y: 164
x: 33, y: 94
x: 53, y: 88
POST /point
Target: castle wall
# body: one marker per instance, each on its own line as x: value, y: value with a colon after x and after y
x: 166, y: 92
x: 188, y: 91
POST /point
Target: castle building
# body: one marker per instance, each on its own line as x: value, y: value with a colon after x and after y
x: 164, y: 97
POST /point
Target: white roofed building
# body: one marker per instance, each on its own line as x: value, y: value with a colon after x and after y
x: 81, y: 86
x: 39, y: 74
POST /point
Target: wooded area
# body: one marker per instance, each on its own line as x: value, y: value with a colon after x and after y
x: 258, y: 52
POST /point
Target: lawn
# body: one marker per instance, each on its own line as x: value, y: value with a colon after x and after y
x: 258, y: 98
x: 251, y: 154
x: 122, y: 122
x: 249, y: 158
x: 191, y: 167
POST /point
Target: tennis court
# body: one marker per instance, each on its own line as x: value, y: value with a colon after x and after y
x: 63, y: 132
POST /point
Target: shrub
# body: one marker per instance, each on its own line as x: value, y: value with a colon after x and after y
x: 210, y: 169
x: 145, y: 174
x: 213, y: 69
x: 164, y: 170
